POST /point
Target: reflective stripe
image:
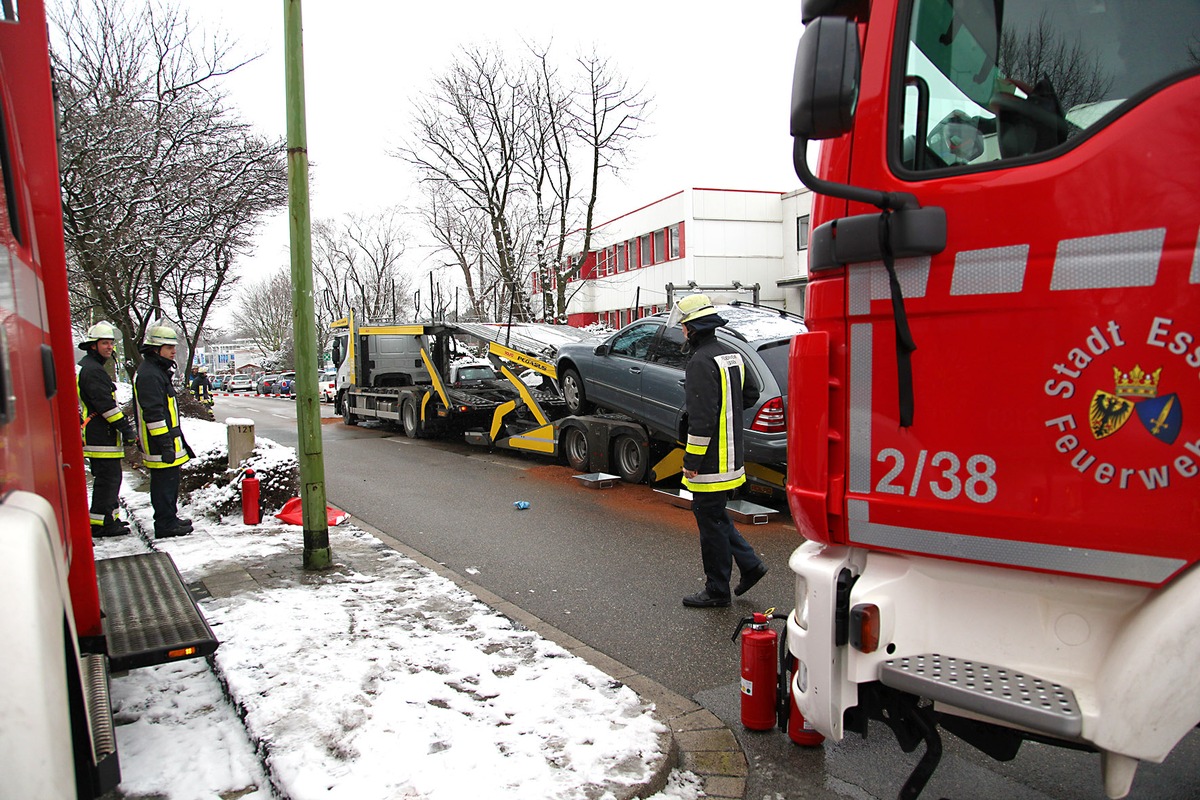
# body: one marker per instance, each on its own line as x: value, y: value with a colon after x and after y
x: 1056, y: 558
x: 24, y: 295
x: 698, y: 441
x: 695, y: 449
x: 157, y: 427
x: 716, y: 482
x: 870, y: 282
x: 861, y: 356
x: 1195, y: 276
x: 104, y: 451
x: 1110, y: 261
x: 114, y: 415
x: 995, y: 270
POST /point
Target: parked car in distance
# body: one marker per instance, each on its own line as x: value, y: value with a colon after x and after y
x: 240, y: 383
x: 286, y: 385
x: 217, y: 382
x: 266, y: 384
x: 639, y: 372
x: 327, y: 385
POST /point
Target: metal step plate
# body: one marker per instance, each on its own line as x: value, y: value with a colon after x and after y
x: 999, y: 692
x: 149, y: 616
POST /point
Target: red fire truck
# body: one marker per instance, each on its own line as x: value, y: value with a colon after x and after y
x: 995, y: 435
x: 68, y: 620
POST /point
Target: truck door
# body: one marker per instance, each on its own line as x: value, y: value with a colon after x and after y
x: 1056, y: 375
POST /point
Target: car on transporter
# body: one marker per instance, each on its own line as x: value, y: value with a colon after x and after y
x: 639, y: 372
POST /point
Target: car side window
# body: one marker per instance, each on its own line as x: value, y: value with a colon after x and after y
x: 634, y: 342
x: 668, y: 348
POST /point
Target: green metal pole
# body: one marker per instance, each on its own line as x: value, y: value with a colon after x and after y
x: 317, y: 553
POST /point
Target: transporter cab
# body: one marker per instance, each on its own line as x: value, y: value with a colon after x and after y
x: 994, y: 443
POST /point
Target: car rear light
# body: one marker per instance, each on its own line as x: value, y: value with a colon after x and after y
x: 770, y: 418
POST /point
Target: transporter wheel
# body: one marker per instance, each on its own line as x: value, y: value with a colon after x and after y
x: 572, y: 390
x: 411, y: 419
x: 575, y: 449
x: 347, y: 417
x: 631, y: 458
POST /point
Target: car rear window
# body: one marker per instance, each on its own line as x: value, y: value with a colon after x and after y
x: 775, y: 355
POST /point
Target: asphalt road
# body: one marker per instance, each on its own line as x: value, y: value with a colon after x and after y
x: 609, y: 567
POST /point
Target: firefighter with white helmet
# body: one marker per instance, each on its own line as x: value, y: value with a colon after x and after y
x: 105, y: 429
x: 164, y: 450
x: 716, y: 393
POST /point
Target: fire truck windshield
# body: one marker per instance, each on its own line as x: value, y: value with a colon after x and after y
x: 988, y: 80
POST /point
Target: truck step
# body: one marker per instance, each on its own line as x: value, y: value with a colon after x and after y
x: 149, y: 615
x: 107, y: 772
x: 999, y: 692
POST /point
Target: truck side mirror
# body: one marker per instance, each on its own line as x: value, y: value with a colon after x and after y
x: 825, y: 83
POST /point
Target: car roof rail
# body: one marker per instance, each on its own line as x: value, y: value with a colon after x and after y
x: 781, y: 312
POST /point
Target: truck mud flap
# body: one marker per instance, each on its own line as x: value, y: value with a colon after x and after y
x: 149, y: 615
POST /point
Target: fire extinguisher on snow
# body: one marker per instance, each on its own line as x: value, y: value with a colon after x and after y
x: 251, y: 505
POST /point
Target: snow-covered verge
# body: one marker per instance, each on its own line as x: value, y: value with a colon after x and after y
x: 375, y: 679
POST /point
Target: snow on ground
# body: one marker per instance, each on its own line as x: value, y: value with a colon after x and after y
x: 376, y: 679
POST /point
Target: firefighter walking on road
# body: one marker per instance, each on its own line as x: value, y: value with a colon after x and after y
x: 716, y: 396
x: 164, y: 450
x: 105, y: 430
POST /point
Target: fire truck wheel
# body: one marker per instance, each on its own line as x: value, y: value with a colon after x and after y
x: 630, y: 456
x: 412, y: 423
x: 572, y: 389
x: 575, y: 449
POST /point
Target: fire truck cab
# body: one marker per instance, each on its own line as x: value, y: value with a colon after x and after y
x: 994, y: 450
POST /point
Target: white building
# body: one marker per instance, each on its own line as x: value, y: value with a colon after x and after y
x: 730, y: 243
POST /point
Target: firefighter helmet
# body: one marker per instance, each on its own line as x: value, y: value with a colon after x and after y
x: 160, y: 335
x: 689, y: 308
x: 101, y: 330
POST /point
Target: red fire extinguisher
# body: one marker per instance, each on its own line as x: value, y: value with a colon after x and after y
x: 799, y: 730
x: 251, y: 508
x: 759, y: 677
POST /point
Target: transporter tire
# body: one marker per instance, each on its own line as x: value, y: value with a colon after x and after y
x: 347, y: 415
x: 575, y: 449
x: 631, y: 458
x: 411, y: 419
x: 572, y: 391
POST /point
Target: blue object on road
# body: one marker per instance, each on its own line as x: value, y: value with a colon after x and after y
x: 521, y: 505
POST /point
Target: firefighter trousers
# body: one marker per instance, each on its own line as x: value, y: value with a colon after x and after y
x: 106, y: 489
x: 164, y: 497
x: 720, y: 543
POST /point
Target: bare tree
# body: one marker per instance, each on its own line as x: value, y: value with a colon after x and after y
x: 502, y: 147
x: 1041, y: 52
x: 357, y: 265
x: 264, y: 315
x: 469, y: 138
x: 162, y: 184
x: 607, y: 118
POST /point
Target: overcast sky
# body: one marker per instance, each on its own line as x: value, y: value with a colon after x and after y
x: 720, y: 75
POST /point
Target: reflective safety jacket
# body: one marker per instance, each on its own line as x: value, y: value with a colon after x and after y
x: 713, y: 386
x: 158, y: 414
x: 103, y: 423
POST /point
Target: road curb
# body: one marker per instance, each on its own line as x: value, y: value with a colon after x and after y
x: 696, y: 739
